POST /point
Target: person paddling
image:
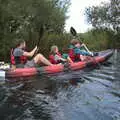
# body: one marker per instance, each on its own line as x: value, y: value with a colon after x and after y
x: 56, y: 57
x: 20, y: 56
x: 78, y: 52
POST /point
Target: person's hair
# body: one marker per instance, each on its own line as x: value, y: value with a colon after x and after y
x: 19, y: 42
x: 75, y: 41
x: 53, y: 49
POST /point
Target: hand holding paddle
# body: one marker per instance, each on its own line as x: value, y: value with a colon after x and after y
x: 74, y: 33
x: 36, y: 49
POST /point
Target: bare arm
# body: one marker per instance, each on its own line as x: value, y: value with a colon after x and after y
x: 59, y: 58
x: 63, y: 59
x: 69, y: 60
x: 31, y: 53
x: 87, y: 49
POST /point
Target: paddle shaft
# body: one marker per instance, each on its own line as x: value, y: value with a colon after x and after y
x: 41, y: 31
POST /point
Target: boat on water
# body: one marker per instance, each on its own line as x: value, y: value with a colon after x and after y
x: 27, y: 72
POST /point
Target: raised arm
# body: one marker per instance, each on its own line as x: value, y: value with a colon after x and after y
x: 78, y: 51
x: 31, y: 53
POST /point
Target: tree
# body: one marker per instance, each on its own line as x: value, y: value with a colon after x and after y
x: 29, y: 19
x: 107, y: 15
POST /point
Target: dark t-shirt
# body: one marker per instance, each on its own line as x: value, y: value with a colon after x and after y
x: 18, y: 52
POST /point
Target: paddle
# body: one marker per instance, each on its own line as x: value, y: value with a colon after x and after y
x: 74, y: 33
x: 41, y: 32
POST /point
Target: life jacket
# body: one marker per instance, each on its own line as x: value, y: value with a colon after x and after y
x: 21, y: 60
x: 52, y: 58
x: 77, y: 58
x: 72, y: 54
x: 12, y: 59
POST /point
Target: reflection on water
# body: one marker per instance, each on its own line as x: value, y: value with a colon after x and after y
x: 92, y: 94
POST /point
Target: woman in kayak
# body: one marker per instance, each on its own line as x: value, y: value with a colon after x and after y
x: 56, y: 57
x: 20, y: 55
x: 79, y: 51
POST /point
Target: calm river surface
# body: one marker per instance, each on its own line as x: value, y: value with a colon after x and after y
x: 92, y: 94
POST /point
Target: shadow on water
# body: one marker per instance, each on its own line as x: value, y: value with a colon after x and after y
x: 92, y: 94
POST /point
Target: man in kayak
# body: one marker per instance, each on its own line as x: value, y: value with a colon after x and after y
x: 20, y: 56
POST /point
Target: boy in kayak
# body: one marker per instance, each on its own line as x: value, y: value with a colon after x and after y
x: 20, y: 56
x: 56, y: 57
x: 79, y: 51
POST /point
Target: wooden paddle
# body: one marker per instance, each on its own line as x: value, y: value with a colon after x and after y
x: 41, y: 32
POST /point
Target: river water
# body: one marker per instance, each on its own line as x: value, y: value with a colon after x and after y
x: 92, y: 94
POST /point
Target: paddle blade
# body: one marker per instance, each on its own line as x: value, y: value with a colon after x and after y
x: 73, y: 31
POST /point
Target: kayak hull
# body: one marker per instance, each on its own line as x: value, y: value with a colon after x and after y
x: 26, y: 72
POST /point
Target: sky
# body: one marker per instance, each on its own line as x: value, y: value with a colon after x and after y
x: 76, y: 15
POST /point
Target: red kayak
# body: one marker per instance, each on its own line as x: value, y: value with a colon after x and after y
x: 26, y: 72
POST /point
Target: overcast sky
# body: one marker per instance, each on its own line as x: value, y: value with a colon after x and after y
x: 76, y: 15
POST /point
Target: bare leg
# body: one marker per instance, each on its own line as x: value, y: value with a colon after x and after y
x: 39, y: 58
x: 69, y: 60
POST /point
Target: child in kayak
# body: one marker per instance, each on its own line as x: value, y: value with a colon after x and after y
x: 19, y: 56
x: 56, y: 57
x: 79, y: 51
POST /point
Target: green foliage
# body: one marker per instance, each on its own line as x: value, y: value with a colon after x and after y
x: 107, y: 15
x: 30, y: 20
x: 98, y: 39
